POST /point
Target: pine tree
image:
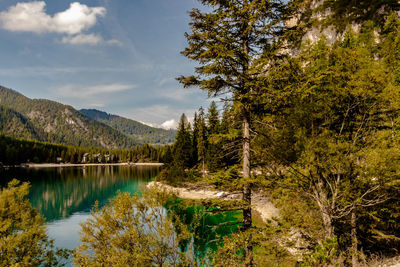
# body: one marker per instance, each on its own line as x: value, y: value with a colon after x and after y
x: 214, y: 147
x: 195, y: 134
x: 202, y: 140
x: 183, y: 144
x: 231, y: 42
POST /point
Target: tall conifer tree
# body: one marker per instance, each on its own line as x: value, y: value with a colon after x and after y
x: 231, y: 42
x: 202, y: 140
x: 183, y: 144
x: 195, y: 134
x: 213, y: 128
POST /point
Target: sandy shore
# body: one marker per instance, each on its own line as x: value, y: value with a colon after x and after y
x: 260, y: 203
x: 61, y: 165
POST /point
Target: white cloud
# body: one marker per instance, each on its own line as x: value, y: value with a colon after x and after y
x: 114, y: 42
x: 97, y: 96
x: 78, y: 91
x: 77, y: 18
x: 170, y: 124
x: 32, y: 17
x: 88, y: 39
x: 150, y: 124
x: 167, y: 125
x: 80, y: 39
x: 178, y: 94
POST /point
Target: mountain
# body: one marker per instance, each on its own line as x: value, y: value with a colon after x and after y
x: 134, y: 129
x: 13, y: 123
x: 49, y: 121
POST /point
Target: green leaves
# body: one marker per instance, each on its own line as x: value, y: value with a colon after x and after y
x: 23, y: 237
x: 133, y: 231
x: 228, y: 43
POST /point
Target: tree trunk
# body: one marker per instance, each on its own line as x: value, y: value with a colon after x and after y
x: 203, y: 168
x: 327, y: 220
x: 354, y: 241
x: 328, y: 226
x: 247, y: 220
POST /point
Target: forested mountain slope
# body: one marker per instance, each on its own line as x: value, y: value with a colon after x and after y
x: 137, y: 130
x: 13, y: 123
x: 50, y: 121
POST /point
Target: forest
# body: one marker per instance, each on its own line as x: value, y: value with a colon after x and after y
x: 21, y: 151
x: 308, y: 114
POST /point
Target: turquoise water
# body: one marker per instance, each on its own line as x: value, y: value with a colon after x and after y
x: 65, y: 196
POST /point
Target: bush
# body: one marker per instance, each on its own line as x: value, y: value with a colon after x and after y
x: 23, y: 237
x: 133, y: 231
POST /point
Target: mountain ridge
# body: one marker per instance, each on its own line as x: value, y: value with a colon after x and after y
x: 137, y: 130
x: 50, y: 121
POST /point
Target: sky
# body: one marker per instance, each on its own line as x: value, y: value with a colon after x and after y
x: 119, y: 56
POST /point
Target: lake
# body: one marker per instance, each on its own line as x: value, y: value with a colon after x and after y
x: 65, y: 196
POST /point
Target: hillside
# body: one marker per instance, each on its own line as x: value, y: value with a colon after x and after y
x: 14, y: 124
x: 49, y: 121
x: 134, y: 129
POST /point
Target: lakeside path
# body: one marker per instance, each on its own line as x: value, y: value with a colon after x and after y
x: 260, y: 203
x: 62, y: 165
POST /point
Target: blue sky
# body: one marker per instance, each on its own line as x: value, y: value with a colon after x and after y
x: 120, y: 56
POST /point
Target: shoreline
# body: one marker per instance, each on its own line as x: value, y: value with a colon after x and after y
x: 260, y: 203
x: 64, y: 165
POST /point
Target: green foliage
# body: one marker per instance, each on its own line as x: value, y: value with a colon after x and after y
x: 325, y: 254
x: 335, y: 117
x: 23, y: 237
x: 266, y: 251
x: 226, y: 179
x: 13, y: 123
x: 182, y: 149
x: 133, y: 231
x: 172, y: 175
x: 214, y: 150
x: 17, y: 151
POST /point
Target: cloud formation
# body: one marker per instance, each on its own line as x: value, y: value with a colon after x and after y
x: 32, y: 17
x: 170, y: 124
x: 77, y: 91
x: 88, y: 39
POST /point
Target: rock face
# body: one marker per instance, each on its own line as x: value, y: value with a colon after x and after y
x: 332, y: 19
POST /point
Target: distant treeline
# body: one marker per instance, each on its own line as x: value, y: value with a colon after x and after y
x: 17, y: 151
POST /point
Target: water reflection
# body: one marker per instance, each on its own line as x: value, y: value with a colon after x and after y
x: 65, y: 196
x: 58, y: 193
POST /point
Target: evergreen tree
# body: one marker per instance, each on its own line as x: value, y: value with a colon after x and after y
x: 231, y: 42
x: 202, y: 140
x: 195, y: 134
x: 183, y: 144
x: 214, y: 147
x: 340, y: 111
